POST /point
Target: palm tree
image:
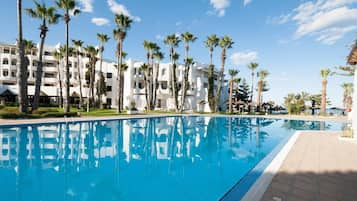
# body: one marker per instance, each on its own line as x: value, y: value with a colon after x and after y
x: 252, y: 66
x: 225, y: 43
x: 23, y: 102
x: 347, y: 96
x: 173, y: 41
x: 232, y: 73
x: 187, y: 38
x: 78, y: 46
x: 92, y: 52
x: 262, y: 74
x: 103, y: 38
x: 158, y: 56
x: 48, y: 16
x: 150, y: 48
x: 58, y: 55
x: 211, y: 43
x: 67, y: 6
x: 123, y: 23
x: 324, y: 74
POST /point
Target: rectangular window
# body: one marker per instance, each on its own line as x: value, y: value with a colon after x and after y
x: 164, y: 85
x: 13, y: 73
x: 109, y: 75
x: 109, y: 88
x: 205, y: 85
x: 5, y: 73
x: 6, y: 50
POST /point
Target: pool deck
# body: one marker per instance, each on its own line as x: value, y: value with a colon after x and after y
x: 319, y: 166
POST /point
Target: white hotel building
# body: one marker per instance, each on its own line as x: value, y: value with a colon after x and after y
x: 133, y: 81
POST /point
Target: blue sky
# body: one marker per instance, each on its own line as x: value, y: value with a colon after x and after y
x: 292, y: 39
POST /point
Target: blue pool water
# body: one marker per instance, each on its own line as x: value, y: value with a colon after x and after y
x: 152, y: 159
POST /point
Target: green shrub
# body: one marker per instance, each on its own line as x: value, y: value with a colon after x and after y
x: 60, y: 114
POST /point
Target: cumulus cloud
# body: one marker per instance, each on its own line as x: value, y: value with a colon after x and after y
x: 159, y: 37
x: 117, y: 8
x: 99, y: 21
x: 220, y: 6
x: 87, y: 5
x: 326, y: 20
x: 244, y: 58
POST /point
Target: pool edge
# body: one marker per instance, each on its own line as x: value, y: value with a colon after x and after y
x: 257, y: 190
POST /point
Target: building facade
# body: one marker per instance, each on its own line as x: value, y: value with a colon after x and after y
x: 133, y: 81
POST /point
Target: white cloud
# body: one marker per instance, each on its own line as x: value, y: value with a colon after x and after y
x: 219, y: 6
x: 99, y: 21
x: 87, y: 5
x: 246, y: 2
x: 117, y: 8
x: 327, y: 20
x: 179, y: 23
x: 244, y: 58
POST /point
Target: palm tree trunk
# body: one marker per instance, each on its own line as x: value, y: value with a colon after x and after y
x: 220, y: 81
x: 173, y: 80
x: 230, y: 95
x: 67, y: 101
x: 60, y: 99
x: 323, y: 98
x: 36, y: 99
x: 80, y: 82
x: 260, y: 87
x: 22, y: 64
x: 155, y: 84
x: 152, y: 85
x: 99, y: 91
x: 210, y: 90
x: 252, y: 90
x: 183, y: 81
x: 119, y: 75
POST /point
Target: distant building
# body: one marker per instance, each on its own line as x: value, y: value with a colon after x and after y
x: 134, y: 90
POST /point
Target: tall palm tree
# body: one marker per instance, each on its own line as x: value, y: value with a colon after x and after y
x: 78, y: 46
x: 67, y: 6
x: 211, y: 43
x: 48, y: 16
x: 324, y: 74
x: 252, y: 66
x: 158, y: 56
x: 187, y: 38
x: 123, y: 23
x: 262, y: 74
x: 225, y: 43
x: 232, y: 73
x: 59, y: 56
x: 150, y: 48
x: 103, y: 38
x: 347, y: 96
x: 22, y: 76
x: 173, y: 41
x: 92, y: 52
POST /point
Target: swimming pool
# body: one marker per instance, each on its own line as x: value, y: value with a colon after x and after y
x: 152, y: 159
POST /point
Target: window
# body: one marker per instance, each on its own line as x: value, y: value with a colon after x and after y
x: 6, y: 50
x: 5, y: 61
x: 49, y: 75
x: 34, y: 74
x: 109, y: 75
x: 109, y: 101
x: 5, y: 73
x: 47, y: 53
x: 163, y: 71
x: 13, y: 52
x: 34, y: 63
x: 13, y: 62
x: 134, y: 73
x: 141, y: 85
x: 164, y: 85
x: 134, y: 87
x: 109, y: 88
x: 205, y: 85
x: 13, y: 73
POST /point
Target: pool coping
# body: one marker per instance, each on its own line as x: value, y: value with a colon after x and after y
x: 24, y: 122
x: 257, y: 190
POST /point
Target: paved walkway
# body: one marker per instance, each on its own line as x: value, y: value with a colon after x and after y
x: 319, y: 167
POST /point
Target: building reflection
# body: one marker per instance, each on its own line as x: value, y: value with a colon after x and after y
x: 180, y: 142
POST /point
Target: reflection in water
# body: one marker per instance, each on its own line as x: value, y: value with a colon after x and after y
x: 173, y: 158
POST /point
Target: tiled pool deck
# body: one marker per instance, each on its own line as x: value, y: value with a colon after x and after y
x: 318, y: 167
